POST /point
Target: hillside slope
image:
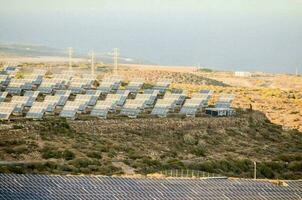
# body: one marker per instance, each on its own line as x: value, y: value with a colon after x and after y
x: 221, y: 145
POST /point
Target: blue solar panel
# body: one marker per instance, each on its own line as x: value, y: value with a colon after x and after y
x: 160, y: 112
x: 130, y: 112
x: 101, y: 113
x: 68, y: 114
x: 17, y: 186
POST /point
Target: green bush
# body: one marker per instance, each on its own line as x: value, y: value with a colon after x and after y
x: 295, y: 166
x: 199, y: 150
x: 68, y: 155
x: 48, y: 152
x: 265, y: 171
x: 95, y: 154
x: 17, y: 126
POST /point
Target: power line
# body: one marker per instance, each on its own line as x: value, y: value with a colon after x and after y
x: 70, y: 51
x: 92, y: 63
x: 115, y: 59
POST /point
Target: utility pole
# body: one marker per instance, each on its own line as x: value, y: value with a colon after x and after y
x: 92, y: 63
x: 115, y: 59
x: 297, y: 71
x: 255, y: 170
x: 70, y: 51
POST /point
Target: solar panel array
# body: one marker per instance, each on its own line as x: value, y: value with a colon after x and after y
x: 3, y: 96
x: 162, y: 85
x: 58, y: 88
x: 196, y: 103
x: 21, y: 186
x: 79, y: 85
x: 58, y: 82
x: 123, y: 97
x: 168, y: 103
x: 37, y: 110
x: 103, y: 107
x: 20, y: 102
x: 64, y: 95
x: 33, y: 95
x: 110, y: 84
x: 135, y: 85
x: 133, y: 107
x: 16, y: 86
x: 6, y: 109
x: 4, y: 80
x: 9, y: 69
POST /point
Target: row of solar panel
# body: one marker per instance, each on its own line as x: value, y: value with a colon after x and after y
x: 76, y: 85
x: 113, y: 102
x: 18, y: 186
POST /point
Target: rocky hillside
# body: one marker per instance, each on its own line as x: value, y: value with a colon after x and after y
x: 176, y: 77
x: 116, y: 146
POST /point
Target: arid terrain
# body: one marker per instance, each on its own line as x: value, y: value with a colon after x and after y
x: 146, y: 145
x: 280, y: 100
x: 267, y: 129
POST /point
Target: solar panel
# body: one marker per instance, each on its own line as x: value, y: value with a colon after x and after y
x: 4, y: 80
x: 110, y: 84
x: 85, y: 100
x: 133, y: 107
x: 135, y: 85
x: 32, y: 97
x: 224, y: 101
x: 79, y: 85
x: 64, y: 95
x: 70, y: 109
x: 103, y: 107
x: 37, y: 110
x: 198, y: 101
x: 33, y: 79
x: 58, y: 82
x: 160, y: 111
x: 6, y: 109
x: 123, y: 96
x: 189, y: 111
x: 175, y: 100
x: 26, y: 186
x: 51, y: 102
x: 21, y: 102
x: 208, y: 92
x: 10, y: 69
x: 95, y: 94
x: 15, y: 86
x: 147, y: 98
x: 3, y: 96
x: 149, y: 91
x: 79, y: 105
x: 162, y: 85
x: 169, y: 102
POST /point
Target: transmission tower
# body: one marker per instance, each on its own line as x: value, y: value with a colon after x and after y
x: 115, y: 59
x: 92, y: 63
x: 70, y: 51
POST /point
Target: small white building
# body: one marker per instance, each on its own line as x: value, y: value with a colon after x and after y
x: 243, y: 74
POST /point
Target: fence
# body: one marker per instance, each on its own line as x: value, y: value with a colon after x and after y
x: 186, y: 173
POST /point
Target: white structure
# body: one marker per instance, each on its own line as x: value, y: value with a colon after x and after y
x: 243, y: 74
